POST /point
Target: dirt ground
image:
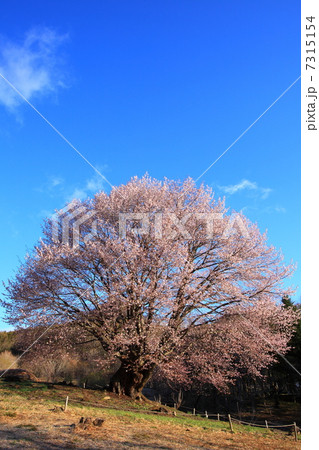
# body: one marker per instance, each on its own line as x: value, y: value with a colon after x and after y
x: 63, y: 438
x: 32, y: 417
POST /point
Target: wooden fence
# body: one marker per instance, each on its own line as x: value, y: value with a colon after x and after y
x: 204, y: 414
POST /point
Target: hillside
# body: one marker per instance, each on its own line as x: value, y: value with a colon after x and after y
x: 32, y: 416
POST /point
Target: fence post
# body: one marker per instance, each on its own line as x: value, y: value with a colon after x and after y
x: 66, y: 403
x: 218, y: 416
x: 230, y: 423
x: 295, y: 431
x: 206, y: 415
x: 194, y: 411
x: 266, y: 424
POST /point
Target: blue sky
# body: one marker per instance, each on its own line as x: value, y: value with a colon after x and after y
x: 158, y: 87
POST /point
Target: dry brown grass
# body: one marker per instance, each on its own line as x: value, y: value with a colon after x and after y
x: 7, y: 359
x: 29, y: 419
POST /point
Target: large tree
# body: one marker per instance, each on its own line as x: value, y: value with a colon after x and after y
x: 165, y: 276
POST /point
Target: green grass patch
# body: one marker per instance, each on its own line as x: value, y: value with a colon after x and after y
x: 189, y: 422
x: 127, y: 410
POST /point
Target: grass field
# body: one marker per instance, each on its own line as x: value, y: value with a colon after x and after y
x: 32, y: 417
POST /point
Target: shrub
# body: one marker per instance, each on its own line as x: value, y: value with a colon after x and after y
x: 7, y: 340
x: 7, y: 359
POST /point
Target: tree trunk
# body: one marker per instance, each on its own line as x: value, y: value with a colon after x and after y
x: 130, y: 380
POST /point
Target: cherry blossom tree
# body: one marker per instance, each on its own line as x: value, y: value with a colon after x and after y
x: 161, y: 278
x: 243, y: 341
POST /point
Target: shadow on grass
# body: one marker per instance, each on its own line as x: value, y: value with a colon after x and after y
x: 26, y: 437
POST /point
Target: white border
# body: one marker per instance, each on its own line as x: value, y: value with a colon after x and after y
x: 309, y: 239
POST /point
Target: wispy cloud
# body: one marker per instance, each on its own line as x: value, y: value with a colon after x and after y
x: 53, y: 186
x: 55, y: 181
x: 56, y: 187
x: 32, y: 66
x: 89, y: 188
x: 268, y: 210
x: 275, y: 209
x: 246, y: 185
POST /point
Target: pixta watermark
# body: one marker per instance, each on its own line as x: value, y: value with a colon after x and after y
x: 171, y: 225
x: 74, y: 224
x: 67, y: 222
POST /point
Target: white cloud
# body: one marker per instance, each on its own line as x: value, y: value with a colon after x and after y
x: 53, y: 185
x: 246, y: 185
x: 268, y: 210
x: 90, y: 187
x: 78, y: 194
x: 55, y: 181
x: 32, y: 66
x: 95, y: 184
x: 275, y: 209
x: 57, y: 187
